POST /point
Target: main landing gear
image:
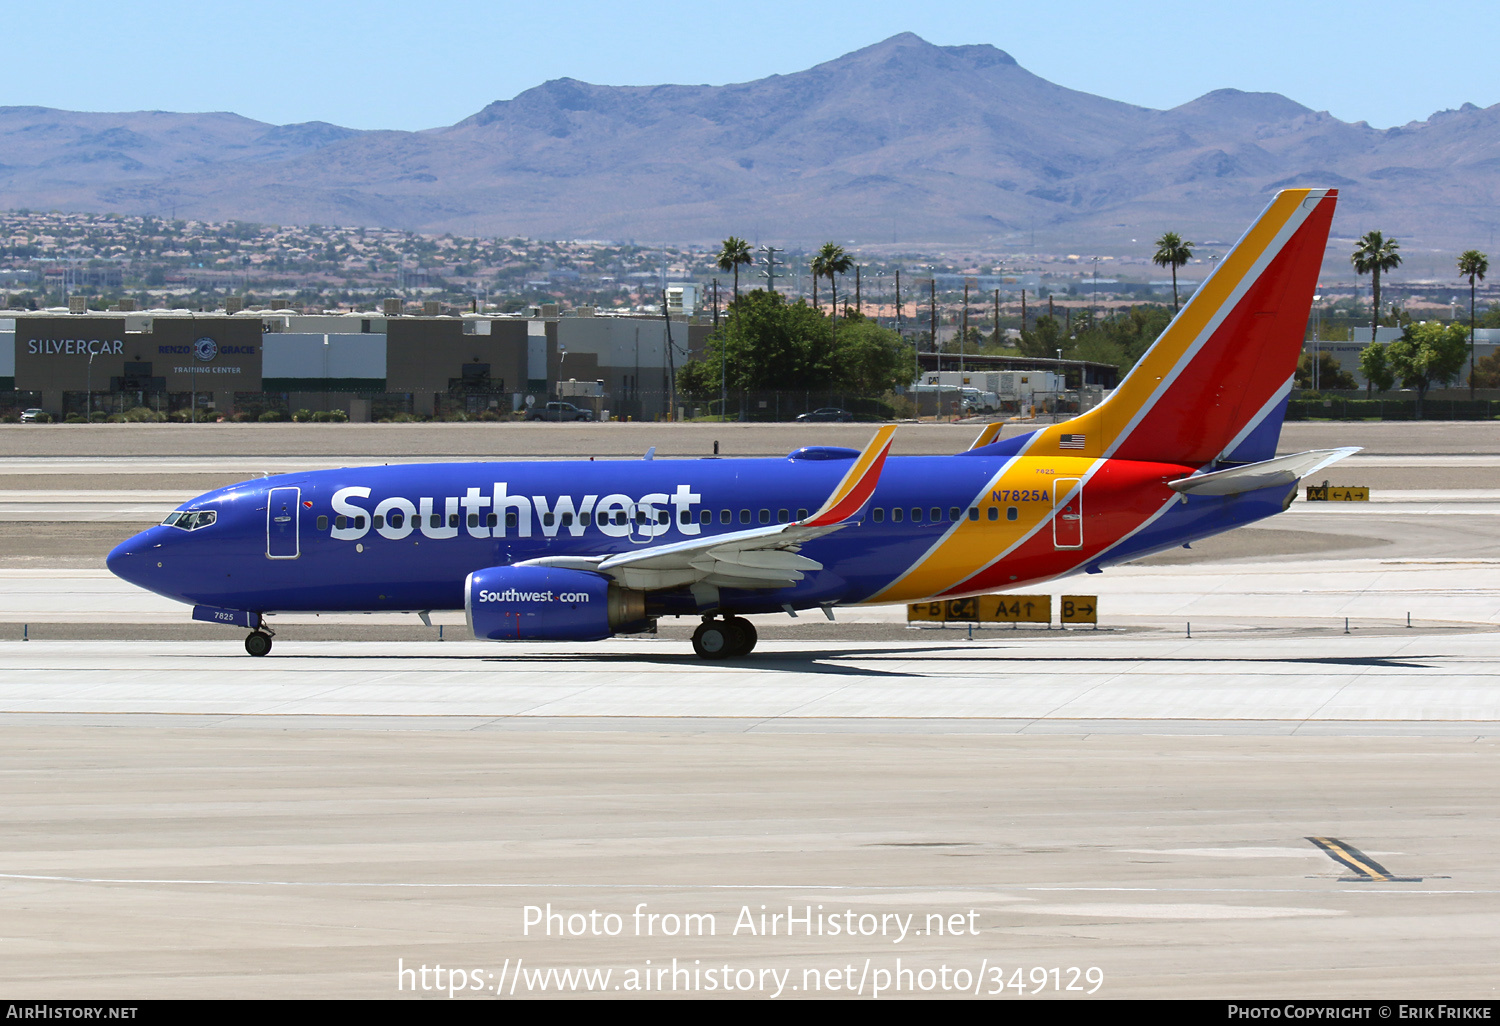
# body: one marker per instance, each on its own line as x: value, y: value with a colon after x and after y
x: 727, y: 638
x: 259, y: 643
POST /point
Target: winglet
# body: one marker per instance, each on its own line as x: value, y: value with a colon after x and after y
x: 858, y: 484
x: 990, y: 433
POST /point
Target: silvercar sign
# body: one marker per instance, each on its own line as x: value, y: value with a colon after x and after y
x: 74, y: 346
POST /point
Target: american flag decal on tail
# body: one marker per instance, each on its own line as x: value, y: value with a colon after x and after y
x: 1071, y: 442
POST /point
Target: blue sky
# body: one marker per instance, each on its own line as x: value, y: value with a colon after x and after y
x: 382, y: 64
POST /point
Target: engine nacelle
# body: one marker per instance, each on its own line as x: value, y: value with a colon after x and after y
x: 542, y: 603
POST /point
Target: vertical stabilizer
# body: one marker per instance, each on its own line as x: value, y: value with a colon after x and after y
x: 1215, y: 383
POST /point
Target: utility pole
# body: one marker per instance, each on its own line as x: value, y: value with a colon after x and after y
x: 671, y: 362
x: 963, y: 331
x: 1023, y: 311
x: 1094, y: 296
x: 770, y: 252
x: 716, y: 302
x: 997, y: 317
x: 937, y: 354
x: 858, y: 305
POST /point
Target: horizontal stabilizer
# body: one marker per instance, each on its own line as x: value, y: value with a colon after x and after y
x: 990, y: 433
x: 1283, y: 470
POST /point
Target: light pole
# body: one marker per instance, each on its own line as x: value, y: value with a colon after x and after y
x: 88, y: 416
x: 1317, y: 323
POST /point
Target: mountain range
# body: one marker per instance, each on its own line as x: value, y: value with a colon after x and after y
x: 901, y: 142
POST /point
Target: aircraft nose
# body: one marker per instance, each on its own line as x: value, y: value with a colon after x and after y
x: 127, y: 561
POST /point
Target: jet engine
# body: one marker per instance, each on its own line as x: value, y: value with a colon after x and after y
x: 540, y: 603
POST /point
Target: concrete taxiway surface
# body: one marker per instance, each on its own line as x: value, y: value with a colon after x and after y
x: 1270, y: 808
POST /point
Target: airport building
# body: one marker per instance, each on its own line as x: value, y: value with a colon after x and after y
x: 366, y: 365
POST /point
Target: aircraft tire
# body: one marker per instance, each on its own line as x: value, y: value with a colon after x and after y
x: 258, y: 644
x: 747, y: 634
x: 716, y: 639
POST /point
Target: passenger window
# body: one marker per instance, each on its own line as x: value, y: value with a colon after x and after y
x: 377, y: 521
x: 473, y: 519
x: 879, y: 515
x: 1011, y: 513
x: 802, y: 514
x: 436, y: 520
x: 685, y: 516
x: 567, y: 520
x: 322, y: 523
x: 340, y: 521
x: 452, y: 519
x: 954, y: 513
x: 744, y: 516
x: 663, y: 517
x: 490, y: 521
x: 897, y: 514
x: 783, y: 516
x: 585, y: 519
x: 726, y: 516
x: 705, y: 517
x: 765, y: 516
x: 620, y: 519
x: 973, y: 512
x: 994, y: 513
x: 935, y: 514
x: 397, y: 519
x: 511, y: 518
x: 548, y: 519
x: 916, y: 515
x: 359, y: 523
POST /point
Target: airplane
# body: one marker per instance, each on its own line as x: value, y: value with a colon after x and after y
x: 1183, y: 448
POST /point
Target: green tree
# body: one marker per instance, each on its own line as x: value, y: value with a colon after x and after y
x: 1472, y: 264
x: 1373, y: 255
x: 1044, y: 340
x: 734, y: 254
x: 1172, y: 252
x: 773, y: 345
x: 1487, y: 372
x: 870, y: 360
x: 1330, y: 374
x: 1426, y: 354
x: 1375, y: 365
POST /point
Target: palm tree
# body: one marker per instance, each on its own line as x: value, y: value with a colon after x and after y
x: 1372, y: 254
x: 735, y: 254
x: 831, y: 262
x: 1172, y: 252
x: 1472, y: 265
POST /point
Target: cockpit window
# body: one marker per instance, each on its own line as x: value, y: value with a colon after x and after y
x: 191, y: 520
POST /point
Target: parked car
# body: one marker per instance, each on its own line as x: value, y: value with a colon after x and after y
x: 558, y: 411
x: 827, y: 413
x: 30, y: 416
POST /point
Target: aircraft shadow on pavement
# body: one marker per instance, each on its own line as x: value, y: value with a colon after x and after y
x: 822, y: 661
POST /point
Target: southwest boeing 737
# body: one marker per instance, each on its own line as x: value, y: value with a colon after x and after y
x: 579, y: 551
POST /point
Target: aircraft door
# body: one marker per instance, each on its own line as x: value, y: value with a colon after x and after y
x: 283, y: 516
x: 1067, y: 513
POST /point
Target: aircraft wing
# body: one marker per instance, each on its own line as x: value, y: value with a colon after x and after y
x: 761, y: 557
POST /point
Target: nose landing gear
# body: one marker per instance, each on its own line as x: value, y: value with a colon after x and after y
x: 259, y: 643
x: 729, y: 638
